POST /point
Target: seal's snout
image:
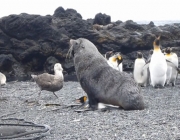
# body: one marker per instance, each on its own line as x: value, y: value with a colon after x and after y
x: 70, y: 52
x: 72, y: 42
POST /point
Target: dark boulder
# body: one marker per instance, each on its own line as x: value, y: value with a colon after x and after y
x: 6, y: 62
x: 102, y: 19
x: 49, y: 64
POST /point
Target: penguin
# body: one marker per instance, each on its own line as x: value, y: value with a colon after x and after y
x: 108, y: 54
x: 168, y: 56
x: 138, y: 65
x: 158, y: 65
x: 150, y: 54
x: 112, y: 59
x: 2, y: 80
x: 82, y: 99
x: 174, y: 73
x: 148, y: 72
x: 119, y: 61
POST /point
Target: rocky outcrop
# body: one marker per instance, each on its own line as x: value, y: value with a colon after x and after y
x: 33, y: 43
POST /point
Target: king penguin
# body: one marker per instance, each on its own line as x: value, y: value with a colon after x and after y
x: 148, y: 72
x: 120, y: 61
x: 112, y: 59
x: 2, y: 80
x: 158, y: 65
x: 138, y: 65
x: 168, y: 57
x: 174, y: 72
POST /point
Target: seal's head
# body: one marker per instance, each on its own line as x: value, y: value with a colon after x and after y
x: 73, y: 43
x: 81, y: 46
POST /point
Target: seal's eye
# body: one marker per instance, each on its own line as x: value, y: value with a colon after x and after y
x: 76, y: 43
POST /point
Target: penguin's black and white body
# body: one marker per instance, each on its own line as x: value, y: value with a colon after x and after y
x: 2, y: 80
x: 157, y: 65
x: 138, y: 65
x: 174, y: 60
x: 114, y: 60
x: 120, y: 61
x: 148, y: 72
x: 168, y: 57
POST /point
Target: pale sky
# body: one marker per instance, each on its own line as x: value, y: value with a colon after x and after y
x: 118, y: 9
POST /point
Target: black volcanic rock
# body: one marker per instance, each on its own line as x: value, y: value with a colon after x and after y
x: 102, y: 19
x: 49, y: 64
x: 6, y: 62
x: 33, y: 43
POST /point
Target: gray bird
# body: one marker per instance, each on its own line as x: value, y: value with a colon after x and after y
x: 50, y: 82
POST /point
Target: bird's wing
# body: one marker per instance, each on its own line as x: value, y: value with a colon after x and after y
x: 169, y: 63
x: 146, y: 66
x: 45, y: 80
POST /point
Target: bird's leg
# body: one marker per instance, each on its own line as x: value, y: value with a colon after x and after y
x: 55, y: 94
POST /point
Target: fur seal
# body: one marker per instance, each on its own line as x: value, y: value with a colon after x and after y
x: 50, y: 82
x: 102, y: 83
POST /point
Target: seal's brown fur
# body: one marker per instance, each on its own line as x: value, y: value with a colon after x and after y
x: 101, y: 82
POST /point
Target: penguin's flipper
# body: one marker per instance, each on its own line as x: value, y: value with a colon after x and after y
x: 146, y: 66
x: 169, y: 63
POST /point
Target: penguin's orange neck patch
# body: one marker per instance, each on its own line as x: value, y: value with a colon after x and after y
x: 168, y: 54
x: 119, y: 57
x: 156, y: 48
x: 85, y: 98
x: 113, y: 59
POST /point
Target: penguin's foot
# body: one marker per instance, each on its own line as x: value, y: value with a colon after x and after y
x: 159, y: 86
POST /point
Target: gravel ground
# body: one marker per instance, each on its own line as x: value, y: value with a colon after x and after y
x: 160, y: 119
